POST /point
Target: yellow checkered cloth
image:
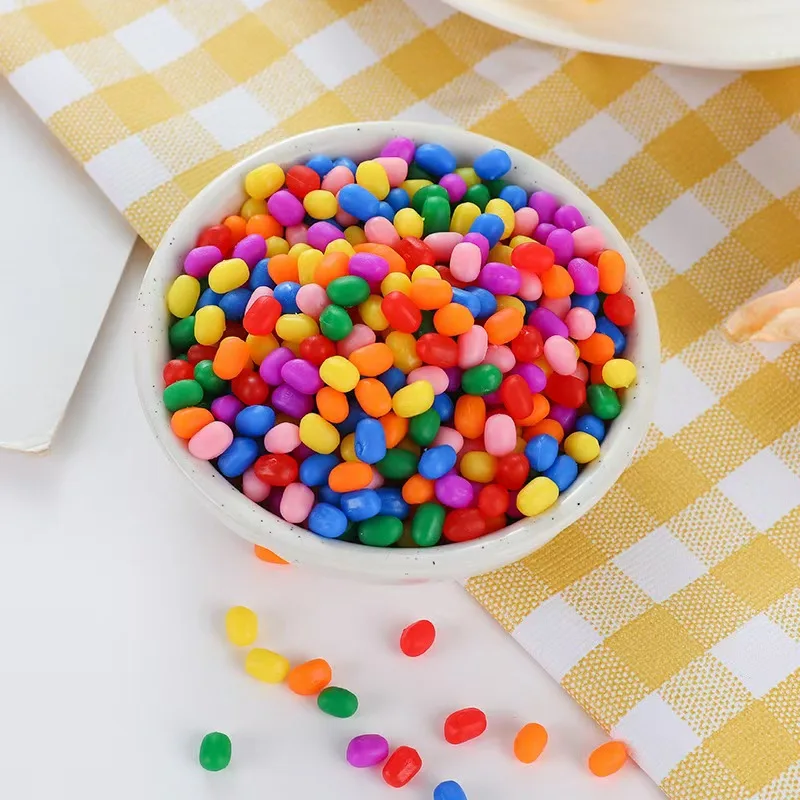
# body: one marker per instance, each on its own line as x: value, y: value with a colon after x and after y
x: 671, y: 612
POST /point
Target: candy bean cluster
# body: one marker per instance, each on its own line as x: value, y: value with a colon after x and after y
x: 399, y: 352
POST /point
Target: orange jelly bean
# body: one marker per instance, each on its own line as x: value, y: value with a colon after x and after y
x: 597, y: 349
x: 264, y: 225
x: 549, y: 426
x: 283, y: 267
x: 557, y: 282
x: 373, y: 397
x: 332, y: 405
x: 470, y: 416
x: 530, y: 742
x: 429, y: 294
x: 504, y: 325
x: 237, y: 226
x: 372, y: 359
x: 350, y: 476
x: 453, y: 320
x: 608, y: 759
x: 394, y: 428
x: 309, y: 678
x: 541, y: 408
x: 186, y: 422
x: 611, y: 266
x: 332, y: 266
x: 231, y: 358
x: 417, y: 490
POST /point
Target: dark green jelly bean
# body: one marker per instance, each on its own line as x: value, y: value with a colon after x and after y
x: 483, y: 379
x: 335, y: 322
x: 215, y: 751
x: 182, y: 394
x: 181, y: 334
x: 416, y: 173
x: 424, y: 427
x: 477, y: 194
x: 603, y: 401
x: 421, y: 195
x: 380, y: 531
x: 398, y: 464
x: 204, y: 374
x: 350, y: 533
x: 426, y: 527
x: 348, y: 291
x: 337, y: 702
x: 435, y: 215
x: 426, y: 326
x: 495, y: 187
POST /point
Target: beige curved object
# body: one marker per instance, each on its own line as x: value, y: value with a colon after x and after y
x: 775, y: 317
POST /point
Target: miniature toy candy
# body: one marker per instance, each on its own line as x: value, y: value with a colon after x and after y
x: 215, y: 751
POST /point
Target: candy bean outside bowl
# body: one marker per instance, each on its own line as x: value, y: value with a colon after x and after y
x: 224, y: 196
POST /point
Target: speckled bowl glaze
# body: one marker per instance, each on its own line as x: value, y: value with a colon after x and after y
x: 223, y: 196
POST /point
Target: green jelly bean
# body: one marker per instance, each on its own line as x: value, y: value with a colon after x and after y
x: 380, y: 531
x: 181, y: 334
x: 405, y: 540
x: 495, y: 187
x: 426, y: 326
x: 215, y: 751
x: 350, y: 533
x: 435, y: 215
x: 348, y: 291
x: 335, y: 322
x: 182, y: 394
x: 398, y: 464
x: 603, y: 401
x: 337, y: 702
x: 477, y: 194
x: 434, y: 190
x: 416, y: 173
x: 426, y: 527
x: 483, y: 379
x: 204, y: 374
x: 424, y: 427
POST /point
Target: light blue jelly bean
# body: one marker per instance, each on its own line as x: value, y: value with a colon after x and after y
x: 327, y: 520
x: 234, y: 303
x: 286, y: 294
x: 449, y: 790
x: 315, y: 469
x: 515, y: 196
x: 208, y: 298
x: 343, y: 161
x: 358, y: 201
x: 254, y: 421
x: 361, y: 505
x: 486, y: 299
x: 321, y: 164
x: 492, y: 165
x: 393, y: 379
x: 490, y: 225
x: 259, y: 275
x: 392, y: 503
x: 469, y: 301
x: 592, y: 425
x: 436, y: 462
x: 370, y: 442
x: 589, y: 301
x: 606, y: 326
x: 541, y: 451
x: 443, y: 406
x: 327, y: 495
x: 398, y: 198
x: 435, y: 159
x: 563, y: 472
x: 240, y: 455
x: 385, y: 210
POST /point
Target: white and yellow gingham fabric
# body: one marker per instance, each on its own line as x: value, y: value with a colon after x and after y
x: 672, y: 610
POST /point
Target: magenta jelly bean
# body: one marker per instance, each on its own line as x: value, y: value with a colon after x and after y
x: 251, y: 249
x: 564, y: 416
x: 302, y: 375
x: 291, y: 402
x: 569, y: 218
x: 560, y: 242
x: 321, y: 234
x: 283, y: 438
x: 369, y: 266
x: 547, y: 323
x: 286, y: 208
x: 482, y: 242
x: 367, y: 750
x: 453, y: 491
x: 533, y: 375
x: 543, y: 230
x: 454, y: 185
x: 454, y: 378
x: 199, y: 261
x: 399, y: 147
x: 585, y: 276
x: 500, y: 278
x: 545, y: 205
x: 296, y: 503
x: 492, y: 399
x: 226, y: 408
x: 271, y: 366
x: 273, y: 501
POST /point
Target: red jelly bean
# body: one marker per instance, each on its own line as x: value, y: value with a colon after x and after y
x: 316, y: 349
x: 177, y: 370
x: 401, y: 313
x: 463, y: 725
x: 201, y: 352
x: 516, y: 396
x: 566, y: 390
x: 512, y: 471
x: 463, y: 524
x: 596, y: 373
x: 219, y: 236
x: 619, y: 308
x: 402, y: 766
x: 235, y: 329
x: 437, y: 350
x: 250, y: 388
x: 415, y: 252
x: 495, y: 523
x: 417, y: 638
x: 533, y: 257
x: 276, y: 469
x: 261, y: 317
x: 528, y: 344
x: 493, y: 500
x: 301, y: 180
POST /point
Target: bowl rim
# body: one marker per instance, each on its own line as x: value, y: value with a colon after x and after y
x: 295, y: 544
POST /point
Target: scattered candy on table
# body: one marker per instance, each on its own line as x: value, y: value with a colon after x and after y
x: 337, y: 702
x: 241, y: 626
x: 530, y: 742
x: 463, y: 725
x: 215, y: 751
x: 608, y: 759
x: 367, y: 750
x: 399, y: 344
x: 401, y: 766
x: 449, y: 790
x: 417, y: 638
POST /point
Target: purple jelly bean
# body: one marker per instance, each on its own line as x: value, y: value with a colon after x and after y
x: 492, y: 399
x: 400, y: 147
x: 251, y: 249
x: 534, y: 376
x: 454, y: 185
x: 226, y: 408
x: 271, y: 366
x: 560, y: 242
x: 200, y: 260
x: 302, y: 375
x: 321, y: 234
x: 570, y: 218
x: 453, y: 491
x: 500, y: 278
x: 291, y: 402
x: 454, y: 378
x: 302, y: 452
x: 482, y: 242
x: 273, y: 501
x: 545, y: 205
x: 585, y: 276
x: 564, y: 416
x: 369, y: 266
x: 543, y: 230
x: 286, y: 208
x: 367, y: 750
x: 547, y: 323
x: 476, y: 489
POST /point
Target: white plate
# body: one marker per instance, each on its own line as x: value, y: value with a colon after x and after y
x: 720, y: 34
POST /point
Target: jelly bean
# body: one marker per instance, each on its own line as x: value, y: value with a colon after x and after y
x: 541, y: 451
x: 437, y: 462
x: 241, y: 626
x: 318, y: 434
x: 417, y: 638
x: 611, y: 267
x: 603, y: 401
x: 350, y: 477
x: 479, y: 466
x: 296, y: 503
x: 339, y: 373
x: 481, y: 380
x: 276, y: 469
x: 566, y: 390
x: 504, y: 325
x: 402, y: 766
x: 309, y: 678
x: 315, y: 470
x: 250, y: 388
x: 367, y: 750
x: 265, y: 665
x: 183, y: 394
x: 537, y: 496
x: 215, y: 751
x: 516, y: 397
x: 301, y: 375
x: 348, y: 291
x: 335, y: 323
x: 337, y: 702
x: 449, y: 790
x: 397, y: 464
x: 327, y: 520
x: 370, y: 441
x: 453, y: 319
x: 264, y: 181
x: 226, y: 408
x: 453, y: 491
x: 560, y: 354
x: 619, y: 309
x: 380, y: 531
x: 199, y: 260
x: 463, y: 725
x: 177, y: 370
x: 619, y: 373
x: 529, y: 742
x: 512, y: 471
x: 607, y: 759
x: 413, y: 399
x: 464, y: 524
x: 500, y: 434
x: 590, y: 424
x: 582, y: 447
x: 493, y: 500
x: 186, y: 422
x: 183, y: 295
x: 427, y: 525
x: 424, y: 427
x: 238, y: 457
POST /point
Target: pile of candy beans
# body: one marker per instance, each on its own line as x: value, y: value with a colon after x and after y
x: 398, y: 352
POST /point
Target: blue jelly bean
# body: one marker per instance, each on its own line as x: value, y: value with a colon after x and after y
x: 469, y: 301
x: 530, y: 305
x: 370, y: 442
x: 315, y: 469
x: 385, y: 210
x: 354, y: 416
x: 541, y: 451
x: 443, y: 406
x: 563, y: 472
x: 240, y: 455
x: 361, y: 505
x: 435, y: 159
x: 254, y: 421
x: 392, y: 503
x: 436, y: 462
x: 358, y: 201
x: 327, y: 495
x: 234, y: 303
x: 588, y: 301
x: 449, y: 790
x: 208, y: 298
x: 592, y: 425
x: 490, y: 225
x: 286, y: 294
x: 606, y: 326
x: 492, y: 165
x: 343, y: 161
x: 259, y: 275
x: 398, y: 198
x: 321, y: 164
x: 487, y: 300
x: 515, y: 196
x: 393, y: 379
x: 327, y: 520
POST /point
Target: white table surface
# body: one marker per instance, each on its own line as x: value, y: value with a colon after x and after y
x: 113, y: 664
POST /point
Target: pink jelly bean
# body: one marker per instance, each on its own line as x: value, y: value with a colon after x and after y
x: 211, y: 441
x: 377, y: 480
x: 558, y: 305
x: 580, y: 323
x: 199, y: 261
x: 588, y: 241
x: 286, y: 208
x: 560, y: 355
x: 500, y: 435
x: 472, y: 347
x: 345, y: 219
x: 585, y: 276
x: 283, y: 438
x: 254, y: 488
x: 380, y: 231
x: 312, y: 299
x: 322, y: 233
x: 360, y: 336
x: 436, y: 376
x: 530, y: 287
x: 259, y: 291
x: 581, y: 372
x: 443, y: 244
x: 337, y: 178
x: 396, y: 168
x: 296, y: 234
x: 449, y: 436
x: 465, y: 262
x: 296, y: 503
x: 454, y: 185
x: 482, y: 242
x: 400, y: 147
x: 525, y: 221
x: 500, y: 356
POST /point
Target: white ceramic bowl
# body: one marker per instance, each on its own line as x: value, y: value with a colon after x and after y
x: 224, y: 196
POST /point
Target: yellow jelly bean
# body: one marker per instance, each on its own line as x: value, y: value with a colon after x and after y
x: 183, y: 295
x: 425, y: 271
x: 464, y: 214
x: 294, y: 347
x: 372, y: 176
x: 544, y: 366
x: 209, y: 324
x: 320, y: 204
x: 228, y: 275
x: 521, y: 445
x: 416, y: 398
x: 355, y: 235
x: 348, y: 448
x: 413, y: 186
x: 371, y: 313
x: 264, y: 181
x: 340, y: 246
x: 260, y: 346
x: 318, y: 434
x: 478, y: 466
x: 241, y: 626
x: 502, y: 208
x: 583, y: 447
x: 518, y: 240
x: 500, y: 253
x: 537, y: 496
x: 469, y: 175
x: 296, y: 250
x: 408, y: 223
x: 264, y: 665
x: 396, y: 282
x: 404, y: 350
x: 276, y: 246
x: 296, y: 327
x: 619, y: 373
x: 339, y: 373
x: 307, y: 263
x: 509, y: 301
x: 252, y: 207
